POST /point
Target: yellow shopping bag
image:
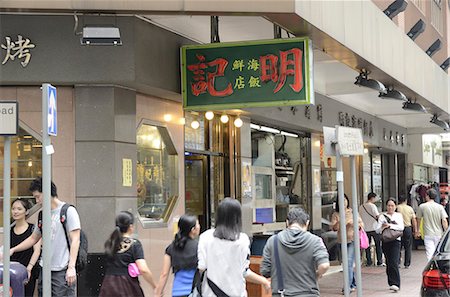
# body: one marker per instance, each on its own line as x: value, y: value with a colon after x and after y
x: 422, y: 235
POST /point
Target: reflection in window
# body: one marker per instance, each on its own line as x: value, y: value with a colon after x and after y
x: 26, y: 165
x: 157, y: 173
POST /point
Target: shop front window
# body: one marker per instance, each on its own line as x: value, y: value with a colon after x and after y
x: 26, y: 165
x: 157, y: 173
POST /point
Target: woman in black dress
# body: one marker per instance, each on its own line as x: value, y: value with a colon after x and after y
x: 123, y: 250
x: 19, y: 232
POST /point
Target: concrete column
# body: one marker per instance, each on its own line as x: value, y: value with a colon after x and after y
x: 316, y: 203
x: 105, y: 133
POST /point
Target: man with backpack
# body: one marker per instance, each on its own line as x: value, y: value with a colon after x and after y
x: 295, y: 259
x: 64, y: 258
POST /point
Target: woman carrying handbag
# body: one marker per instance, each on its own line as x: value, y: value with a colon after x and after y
x: 390, y: 226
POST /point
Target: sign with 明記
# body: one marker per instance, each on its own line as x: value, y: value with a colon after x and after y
x: 245, y: 74
x: 9, y: 118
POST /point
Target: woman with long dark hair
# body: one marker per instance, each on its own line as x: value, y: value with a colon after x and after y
x: 181, y: 255
x: 19, y: 232
x: 224, y: 252
x: 391, y: 250
x: 350, y: 237
x: 123, y: 250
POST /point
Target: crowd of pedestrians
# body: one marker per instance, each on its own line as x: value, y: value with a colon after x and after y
x: 217, y: 262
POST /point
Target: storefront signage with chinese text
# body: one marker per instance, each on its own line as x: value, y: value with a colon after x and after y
x: 17, y: 49
x: 232, y: 75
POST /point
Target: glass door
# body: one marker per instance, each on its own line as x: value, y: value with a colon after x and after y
x: 196, y: 171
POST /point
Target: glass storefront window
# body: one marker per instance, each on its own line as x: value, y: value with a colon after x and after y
x: 157, y: 173
x: 26, y: 165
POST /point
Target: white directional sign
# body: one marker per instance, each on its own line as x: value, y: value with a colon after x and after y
x: 52, y: 112
x: 350, y: 141
x: 9, y: 117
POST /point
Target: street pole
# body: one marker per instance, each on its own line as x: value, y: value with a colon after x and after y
x: 6, y: 214
x: 46, y: 199
x: 356, y: 227
x: 342, y: 224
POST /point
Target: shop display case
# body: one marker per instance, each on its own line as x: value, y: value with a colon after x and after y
x: 157, y: 174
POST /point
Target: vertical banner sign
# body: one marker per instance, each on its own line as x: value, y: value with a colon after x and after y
x: 127, y: 173
x: 247, y: 74
x: 52, y: 114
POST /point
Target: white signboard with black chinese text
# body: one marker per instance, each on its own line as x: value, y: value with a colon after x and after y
x: 350, y: 141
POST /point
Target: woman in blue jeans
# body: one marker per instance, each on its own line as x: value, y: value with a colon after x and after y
x: 350, y: 236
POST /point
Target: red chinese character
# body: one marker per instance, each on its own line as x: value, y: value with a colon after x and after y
x: 220, y: 65
x: 202, y: 84
x: 269, y: 69
x: 199, y: 86
x: 296, y: 71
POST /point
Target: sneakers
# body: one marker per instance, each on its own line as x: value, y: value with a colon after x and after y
x: 381, y: 265
x: 351, y: 290
x: 394, y: 288
x: 406, y: 266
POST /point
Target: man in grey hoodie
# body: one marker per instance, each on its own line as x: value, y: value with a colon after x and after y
x: 303, y: 257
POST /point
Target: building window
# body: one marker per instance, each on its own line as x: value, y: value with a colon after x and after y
x: 26, y: 165
x: 157, y: 173
x: 437, y: 19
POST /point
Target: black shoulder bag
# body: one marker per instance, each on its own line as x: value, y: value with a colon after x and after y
x: 278, y: 267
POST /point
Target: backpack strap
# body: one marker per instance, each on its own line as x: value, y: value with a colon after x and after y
x: 39, y: 222
x: 63, y: 219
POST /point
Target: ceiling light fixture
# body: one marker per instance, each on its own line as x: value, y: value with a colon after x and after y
x: 444, y: 125
x: 417, y: 29
x: 445, y: 64
x: 167, y: 117
x: 289, y: 134
x: 238, y: 122
x: 434, y: 47
x: 393, y: 94
x: 395, y: 8
x: 408, y: 105
x: 97, y: 35
x: 224, y: 118
x: 195, y: 124
x: 363, y: 80
x: 270, y: 130
x: 254, y: 126
x: 209, y: 115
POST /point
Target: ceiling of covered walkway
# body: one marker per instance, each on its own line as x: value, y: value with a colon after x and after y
x: 331, y: 77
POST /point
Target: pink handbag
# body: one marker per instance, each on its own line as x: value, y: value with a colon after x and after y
x: 363, y: 239
x: 133, y: 270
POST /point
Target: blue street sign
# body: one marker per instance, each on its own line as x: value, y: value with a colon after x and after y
x: 52, y: 122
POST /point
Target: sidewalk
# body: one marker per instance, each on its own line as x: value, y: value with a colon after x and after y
x: 374, y: 279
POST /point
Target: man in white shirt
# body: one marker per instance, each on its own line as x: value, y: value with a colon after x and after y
x: 369, y: 214
x: 434, y: 221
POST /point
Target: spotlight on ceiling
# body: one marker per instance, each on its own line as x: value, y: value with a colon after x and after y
x: 444, y: 125
x: 393, y: 94
x: 395, y: 8
x: 363, y: 80
x: 101, y: 36
x: 408, y: 105
x: 434, y: 48
x: 445, y: 64
x: 416, y: 30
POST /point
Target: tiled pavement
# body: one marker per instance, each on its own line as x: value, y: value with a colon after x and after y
x: 374, y: 280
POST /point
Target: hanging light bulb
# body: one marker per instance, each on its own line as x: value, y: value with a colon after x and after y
x: 238, y: 122
x: 195, y: 124
x: 209, y: 115
x: 167, y: 117
x: 224, y: 118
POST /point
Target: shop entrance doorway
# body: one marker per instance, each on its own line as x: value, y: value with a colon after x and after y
x: 197, y: 196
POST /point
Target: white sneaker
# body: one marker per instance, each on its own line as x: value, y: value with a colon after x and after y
x: 394, y: 288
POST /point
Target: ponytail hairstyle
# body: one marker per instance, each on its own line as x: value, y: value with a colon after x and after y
x: 123, y: 221
x: 185, y: 225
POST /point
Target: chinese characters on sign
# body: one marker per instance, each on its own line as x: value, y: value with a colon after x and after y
x: 229, y: 75
x: 19, y: 49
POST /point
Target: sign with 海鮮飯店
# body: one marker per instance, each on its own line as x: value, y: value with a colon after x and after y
x: 273, y: 72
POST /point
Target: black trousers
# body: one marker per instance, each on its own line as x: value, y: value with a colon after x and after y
x: 377, y: 239
x: 391, y: 252
x: 407, y: 244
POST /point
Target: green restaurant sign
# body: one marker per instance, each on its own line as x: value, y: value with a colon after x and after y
x: 247, y: 74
